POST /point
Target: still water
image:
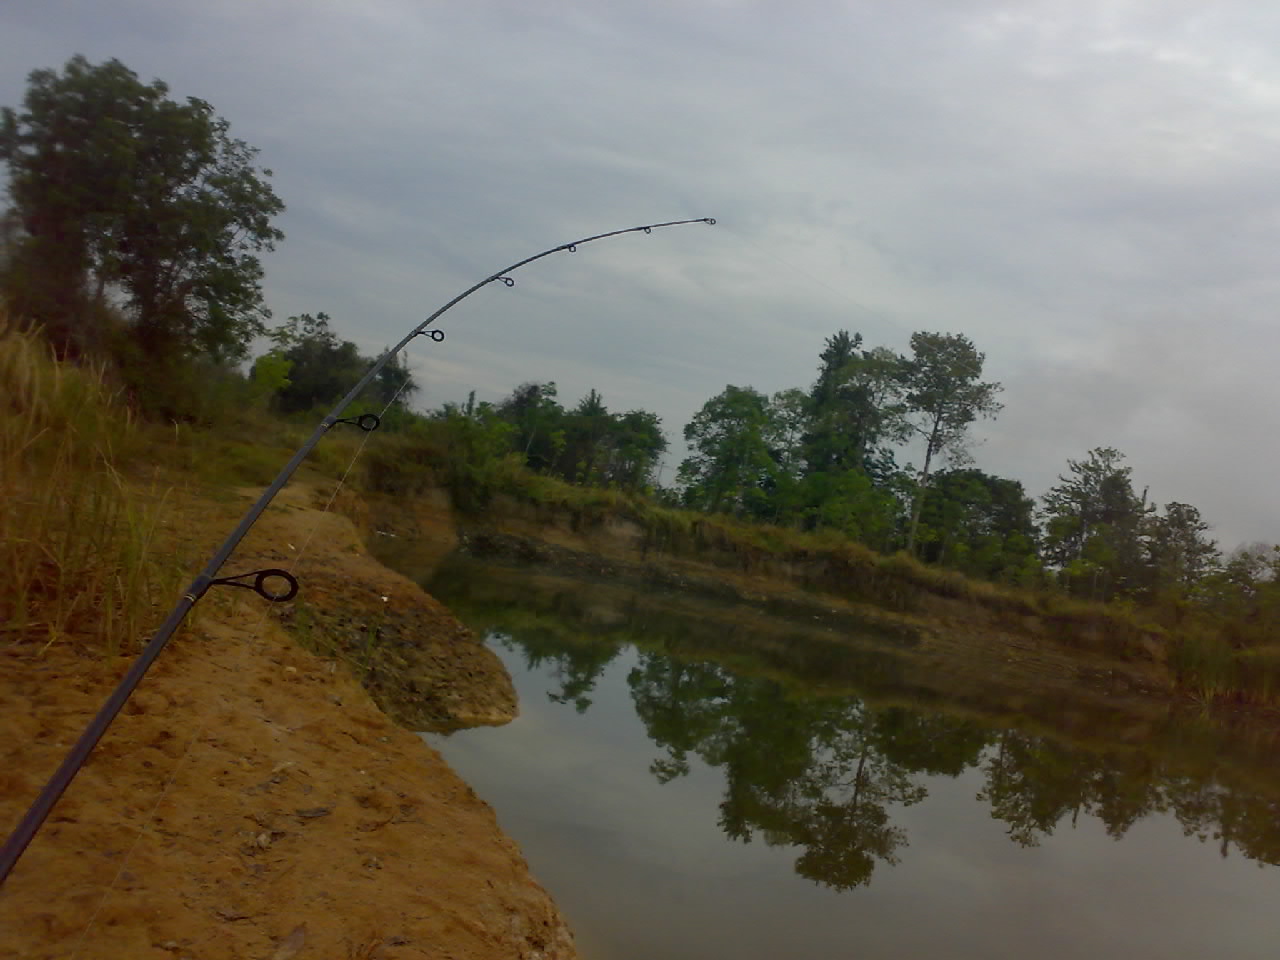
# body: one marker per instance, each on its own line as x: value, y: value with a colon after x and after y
x: 694, y: 780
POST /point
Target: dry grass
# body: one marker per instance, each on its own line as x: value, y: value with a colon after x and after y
x: 76, y: 540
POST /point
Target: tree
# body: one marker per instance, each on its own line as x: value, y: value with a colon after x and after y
x: 1244, y: 594
x: 823, y: 443
x: 585, y: 429
x: 322, y: 368
x: 1094, y: 525
x: 850, y: 502
x: 119, y: 187
x: 730, y: 459
x: 854, y: 406
x: 1179, y: 553
x: 270, y: 376
x: 635, y: 442
x: 980, y: 524
x: 539, y: 421
x: 787, y: 418
x: 943, y: 396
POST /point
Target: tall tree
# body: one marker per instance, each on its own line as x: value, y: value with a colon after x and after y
x: 730, y: 460
x: 787, y: 421
x: 854, y: 406
x: 1094, y: 525
x: 636, y: 441
x: 1244, y: 592
x: 943, y: 395
x: 1179, y: 551
x: 586, y: 429
x: 117, y: 186
x: 539, y: 421
x: 823, y: 443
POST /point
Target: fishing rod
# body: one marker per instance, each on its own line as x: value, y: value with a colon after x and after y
x: 262, y: 579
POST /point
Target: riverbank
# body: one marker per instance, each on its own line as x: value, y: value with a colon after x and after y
x: 989, y: 646
x: 253, y: 800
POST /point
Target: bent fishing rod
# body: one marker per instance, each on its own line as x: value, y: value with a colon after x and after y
x: 208, y: 577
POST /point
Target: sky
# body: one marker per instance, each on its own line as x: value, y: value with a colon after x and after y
x: 1089, y: 191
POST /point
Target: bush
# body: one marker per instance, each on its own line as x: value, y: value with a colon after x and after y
x: 75, y: 540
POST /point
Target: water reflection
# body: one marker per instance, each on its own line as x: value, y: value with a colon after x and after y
x: 821, y: 738
x: 818, y: 774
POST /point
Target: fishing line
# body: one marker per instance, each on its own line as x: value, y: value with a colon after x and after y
x: 35, y: 816
x: 203, y: 722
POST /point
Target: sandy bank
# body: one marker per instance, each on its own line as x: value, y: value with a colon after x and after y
x: 253, y: 801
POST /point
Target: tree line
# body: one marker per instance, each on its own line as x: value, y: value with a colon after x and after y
x: 827, y: 457
x: 134, y: 232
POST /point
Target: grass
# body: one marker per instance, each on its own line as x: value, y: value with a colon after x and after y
x: 80, y: 559
x: 77, y: 540
x: 823, y: 561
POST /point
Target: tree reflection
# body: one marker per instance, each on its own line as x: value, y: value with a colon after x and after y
x: 819, y: 774
x: 1211, y: 811
x: 576, y: 667
x: 823, y: 772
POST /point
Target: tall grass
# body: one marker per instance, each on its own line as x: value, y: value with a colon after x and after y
x: 76, y: 541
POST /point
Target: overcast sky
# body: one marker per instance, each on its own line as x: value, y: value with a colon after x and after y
x: 1089, y: 190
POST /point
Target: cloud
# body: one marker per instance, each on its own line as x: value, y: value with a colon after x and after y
x: 1086, y: 190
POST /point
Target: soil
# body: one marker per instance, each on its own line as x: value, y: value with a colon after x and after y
x: 252, y: 800
x: 966, y: 652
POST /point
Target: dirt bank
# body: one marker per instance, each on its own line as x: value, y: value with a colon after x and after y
x: 253, y: 801
x: 967, y: 646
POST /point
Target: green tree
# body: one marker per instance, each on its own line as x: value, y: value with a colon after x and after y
x: 1179, y: 552
x: 1093, y: 530
x: 270, y: 376
x: 1244, y: 594
x: 636, y: 441
x: 532, y: 408
x: 980, y: 524
x: 854, y: 406
x: 730, y: 465
x: 943, y: 395
x: 787, y: 418
x: 119, y: 187
x: 590, y: 445
x: 849, y: 501
x: 322, y: 367
x: 586, y: 428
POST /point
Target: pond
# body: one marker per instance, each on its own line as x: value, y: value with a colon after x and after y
x: 695, y: 779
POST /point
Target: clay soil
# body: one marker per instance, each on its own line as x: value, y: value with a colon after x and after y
x: 252, y: 801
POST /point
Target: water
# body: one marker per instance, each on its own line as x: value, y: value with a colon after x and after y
x: 695, y: 780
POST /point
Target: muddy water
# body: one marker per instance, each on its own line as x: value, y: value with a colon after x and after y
x: 691, y: 779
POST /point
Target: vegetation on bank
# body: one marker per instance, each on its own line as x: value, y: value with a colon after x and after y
x: 132, y: 245
x: 76, y: 557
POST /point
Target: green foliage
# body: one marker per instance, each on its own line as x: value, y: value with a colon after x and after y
x: 1108, y: 542
x: 270, y: 375
x: 825, y: 459
x: 588, y: 444
x: 1179, y: 555
x: 943, y: 396
x: 854, y: 407
x: 852, y: 504
x: 321, y: 368
x: 979, y: 524
x: 117, y: 187
x: 730, y: 464
x: 77, y: 560
x: 537, y: 417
